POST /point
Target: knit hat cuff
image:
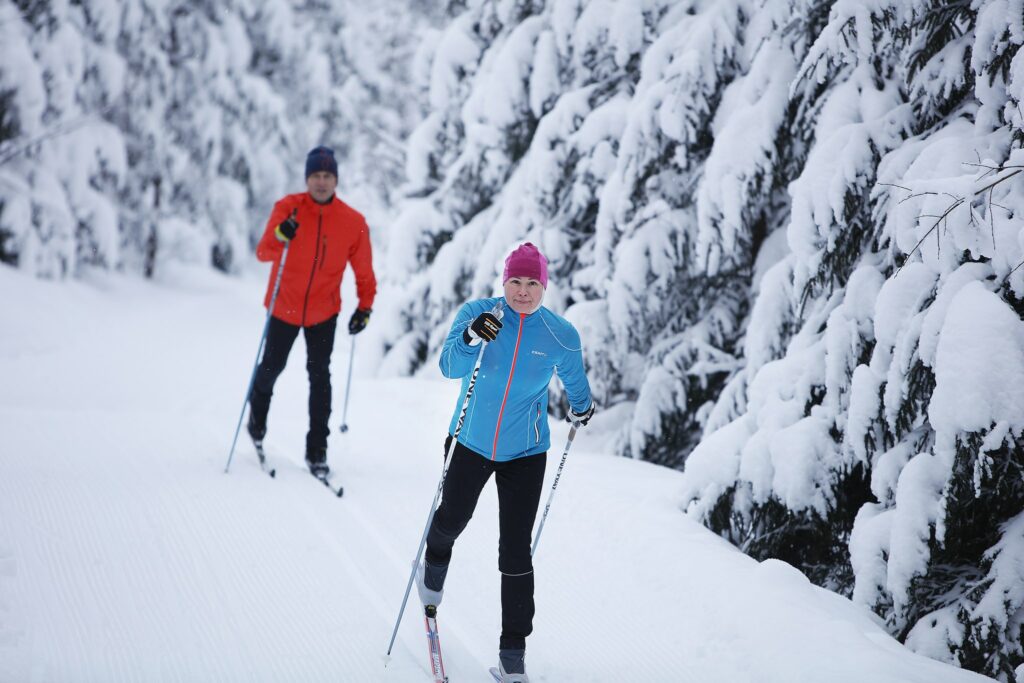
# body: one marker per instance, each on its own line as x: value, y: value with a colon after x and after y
x: 321, y: 159
x: 526, y: 261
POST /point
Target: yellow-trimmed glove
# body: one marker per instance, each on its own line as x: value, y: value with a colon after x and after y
x: 287, y: 229
x: 357, y: 323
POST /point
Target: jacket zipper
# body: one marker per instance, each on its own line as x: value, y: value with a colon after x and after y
x: 312, y: 271
x: 504, y: 399
x: 536, y: 425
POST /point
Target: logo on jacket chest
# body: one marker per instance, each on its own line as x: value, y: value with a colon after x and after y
x: 535, y: 352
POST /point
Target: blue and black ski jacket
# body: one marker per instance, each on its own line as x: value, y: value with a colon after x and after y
x: 507, y: 415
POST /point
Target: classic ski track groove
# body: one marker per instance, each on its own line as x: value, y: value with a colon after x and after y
x: 350, y: 522
x: 126, y: 553
x: 386, y: 604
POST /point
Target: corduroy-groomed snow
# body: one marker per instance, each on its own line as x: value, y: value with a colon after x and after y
x: 127, y: 553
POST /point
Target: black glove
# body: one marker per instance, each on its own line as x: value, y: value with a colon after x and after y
x: 485, y: 328
x: 581, y: 419
x: 357, y: 323
x: 289, y: 226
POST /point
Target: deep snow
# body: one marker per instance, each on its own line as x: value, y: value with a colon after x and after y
x: 127, y: 554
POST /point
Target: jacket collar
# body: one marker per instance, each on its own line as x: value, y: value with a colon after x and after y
x: 511, y: 311
x: 314, y: 202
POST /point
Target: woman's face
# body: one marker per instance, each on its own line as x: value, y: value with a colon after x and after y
x: 524, y: 294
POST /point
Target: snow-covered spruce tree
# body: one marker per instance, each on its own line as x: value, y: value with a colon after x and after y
x: 377, y: 104
x: 142, y: 132
x: 671, y: 143
x: 495, y: 70
x: 214, y: 128
x: 623, y: 101
x: 713, y: 139
x: 529, y: 108
x: 790, y: 495
x: 886, y: 428
x: 122, y: 136
x: 61, y: 163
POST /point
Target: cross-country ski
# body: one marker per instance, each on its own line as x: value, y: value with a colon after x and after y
x: 261, y: 455
x: 327, y: 480
x: 434, y: 645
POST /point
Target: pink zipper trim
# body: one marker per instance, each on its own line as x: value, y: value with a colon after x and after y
x: 501, y: 411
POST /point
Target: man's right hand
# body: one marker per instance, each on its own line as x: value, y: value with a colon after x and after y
x: 286, y: 231
x: 484, y: 328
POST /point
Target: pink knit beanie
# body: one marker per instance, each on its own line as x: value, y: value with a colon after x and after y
x: 526, y: 261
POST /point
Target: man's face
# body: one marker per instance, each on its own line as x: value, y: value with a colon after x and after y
x: 524, y: 294
x: 321, y: 185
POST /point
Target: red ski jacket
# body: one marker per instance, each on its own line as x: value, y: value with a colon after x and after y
x: 330, y: 236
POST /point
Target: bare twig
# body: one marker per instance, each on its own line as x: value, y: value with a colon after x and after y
x: 994, y: 168
x: 1013, y: 271
x: 941, y: 218
x: 917, y: 194
x: 974, y: 221
x: 991, y: 220
x: 1004, y: 178
x: 895, y: 185
x: 991, y: 169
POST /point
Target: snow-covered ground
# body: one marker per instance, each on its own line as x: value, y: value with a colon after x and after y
x: 127, y: 554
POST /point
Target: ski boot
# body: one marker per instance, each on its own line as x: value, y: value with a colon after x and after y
x: 316, y: 460
x: 430, y: 583
x: 512, y: 667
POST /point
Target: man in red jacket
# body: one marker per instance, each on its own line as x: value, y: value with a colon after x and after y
x: 324, y: 235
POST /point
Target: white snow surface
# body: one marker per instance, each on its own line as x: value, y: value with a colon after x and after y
x: 128, y: 554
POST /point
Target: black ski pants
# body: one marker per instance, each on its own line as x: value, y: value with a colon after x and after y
x: 519, y: 485
x: 319, y: 345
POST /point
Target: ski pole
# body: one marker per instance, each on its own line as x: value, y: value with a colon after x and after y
x: 551, y: 496
x: 440, y: 484
x: 348, y: 385
x: 259, y: 351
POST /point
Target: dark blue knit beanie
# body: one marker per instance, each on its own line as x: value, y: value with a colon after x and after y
x: 321, y: 159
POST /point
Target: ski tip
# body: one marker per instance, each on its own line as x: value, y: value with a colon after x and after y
x: 495, y: 673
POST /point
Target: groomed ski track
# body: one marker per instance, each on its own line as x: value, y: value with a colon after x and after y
x: 127, y: 554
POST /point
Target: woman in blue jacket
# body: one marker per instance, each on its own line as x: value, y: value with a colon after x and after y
x: 505, y: 432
